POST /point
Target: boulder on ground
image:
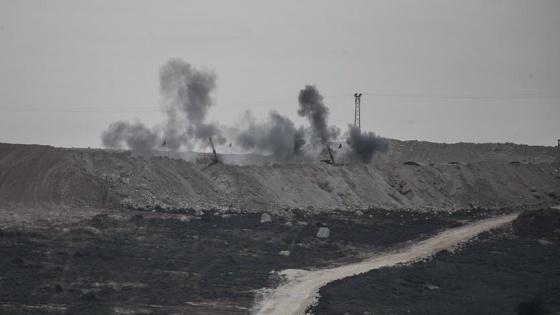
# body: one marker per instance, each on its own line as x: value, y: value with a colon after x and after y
x: 184, y: 218
x: 430, y: 286
x: 533, y: 189
x: 91, y: 230
x: 285, y: 253
x: 266, y: 218
x: 323, y: 232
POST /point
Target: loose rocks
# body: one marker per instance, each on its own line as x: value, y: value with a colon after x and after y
x: 323, y: 232
x: 266, y: 218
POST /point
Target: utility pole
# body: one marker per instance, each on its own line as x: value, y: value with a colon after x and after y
x: 357, y: 100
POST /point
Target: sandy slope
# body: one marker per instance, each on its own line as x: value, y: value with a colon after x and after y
x: 294, y: 296
x: 42, y: 176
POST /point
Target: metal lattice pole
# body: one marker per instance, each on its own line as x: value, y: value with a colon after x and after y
x: 357, y: 100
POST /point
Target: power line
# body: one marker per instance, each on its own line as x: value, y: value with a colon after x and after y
x: 270, y: 103
x: 470, y: 96
x: 76, y: 110
x: 103, y: 110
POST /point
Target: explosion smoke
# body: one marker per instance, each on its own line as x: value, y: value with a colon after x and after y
x: 277, y: 136
x: 137, y: 137
x: 186, y: 92
x: 312, y: 107
x: 364, y: 145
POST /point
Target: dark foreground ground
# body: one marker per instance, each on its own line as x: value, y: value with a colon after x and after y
x: 504, y: 273
x: 152, y: 263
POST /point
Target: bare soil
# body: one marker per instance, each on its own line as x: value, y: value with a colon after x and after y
x: 35, y: 176
x: 154, y: 263
x: 300, y: 289
x: 85, y: 231
x: 506, y: 271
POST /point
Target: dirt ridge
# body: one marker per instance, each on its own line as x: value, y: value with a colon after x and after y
x: 43, y: 176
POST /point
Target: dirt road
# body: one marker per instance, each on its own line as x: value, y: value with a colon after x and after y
x: 301, y: 287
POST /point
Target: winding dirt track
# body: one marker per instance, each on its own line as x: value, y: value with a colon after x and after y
x: 301, y: 287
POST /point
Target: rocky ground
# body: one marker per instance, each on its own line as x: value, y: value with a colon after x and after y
x: 86, y: 231
x: 186, y: 263
x: 443, y: 176
x: 513, y: 270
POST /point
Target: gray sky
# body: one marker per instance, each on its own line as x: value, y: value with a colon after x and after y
x: 69, y: 68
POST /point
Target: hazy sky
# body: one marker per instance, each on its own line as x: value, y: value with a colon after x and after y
x: 69, y: 68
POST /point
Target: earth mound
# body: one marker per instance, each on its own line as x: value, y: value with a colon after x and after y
x: 42, y: 177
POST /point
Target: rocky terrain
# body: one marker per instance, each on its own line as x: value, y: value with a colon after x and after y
x: 512, y: 270
x: 88, y: 231
x: 131, y: 262
x: 435, y: 176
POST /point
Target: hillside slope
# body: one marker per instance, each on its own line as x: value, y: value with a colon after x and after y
x: 43, y: 176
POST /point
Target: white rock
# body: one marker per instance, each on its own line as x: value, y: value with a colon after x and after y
x: 184, y: 218
x: 430, y: 286
x: 323, y: 232
x: 359, y: 213
x: 92, y: 230
x: 545, y: 242
x: 285, y: 253
x: 289, y: 223
x: 266, y: 218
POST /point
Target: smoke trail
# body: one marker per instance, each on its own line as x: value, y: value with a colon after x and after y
x: 311, y: 106
x: 364, y: 145
x: 277, y: 136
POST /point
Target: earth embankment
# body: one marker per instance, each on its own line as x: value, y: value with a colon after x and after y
x: 479, y: 175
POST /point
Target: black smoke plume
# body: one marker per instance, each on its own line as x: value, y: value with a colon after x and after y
x: 186, y: 93
x: 136, y: 137
x: 364, y: 145
x: 312, y: 107
x: 276, y: 136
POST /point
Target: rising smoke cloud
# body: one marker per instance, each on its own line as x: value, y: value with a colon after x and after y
x: 312, y: 107
x: 186, y: 93
x: 135, y: 136
x: 277, y: 136
x: 364, y: 145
